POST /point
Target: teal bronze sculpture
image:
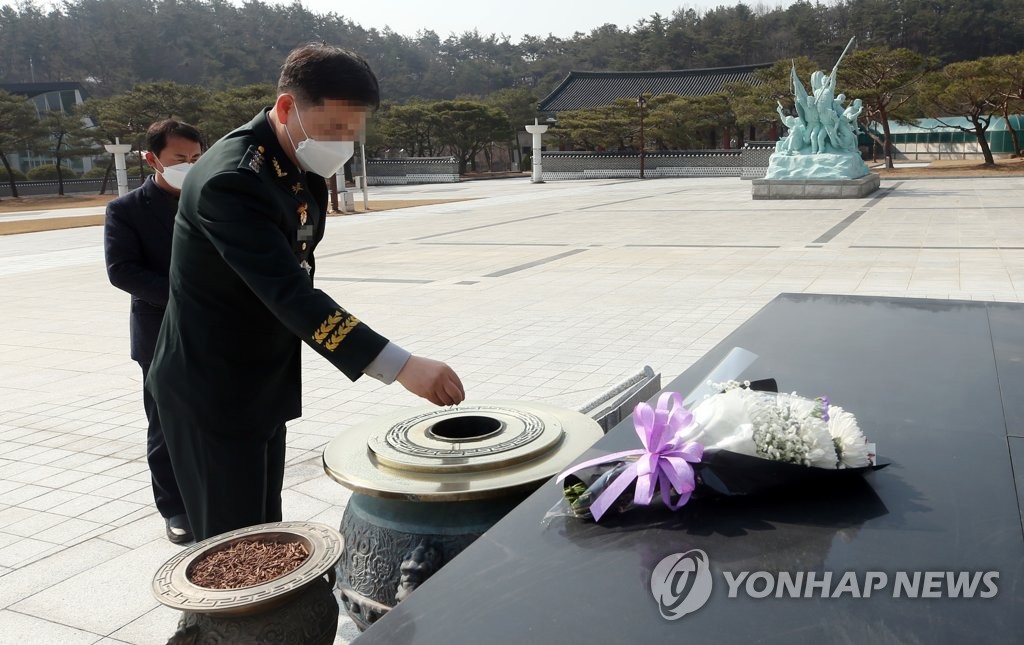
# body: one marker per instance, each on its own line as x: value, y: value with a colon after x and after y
x: 822, y: 139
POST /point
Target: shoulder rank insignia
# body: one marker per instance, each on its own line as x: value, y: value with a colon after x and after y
x: 277, y: 168
x: 301, y: 210
x: 256, y: 159
x: 297, y: 188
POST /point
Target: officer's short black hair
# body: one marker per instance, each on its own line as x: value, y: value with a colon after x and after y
x: 159, y: 132
x: 315, y: 72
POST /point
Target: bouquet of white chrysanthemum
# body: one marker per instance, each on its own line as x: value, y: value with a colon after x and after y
x: 740, y: 441
x: 780, y: 427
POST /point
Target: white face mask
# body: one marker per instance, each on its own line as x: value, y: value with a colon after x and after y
x: 324, y: 158
x: 175, y: 175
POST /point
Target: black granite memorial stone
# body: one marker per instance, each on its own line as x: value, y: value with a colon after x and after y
x: 934, y: 383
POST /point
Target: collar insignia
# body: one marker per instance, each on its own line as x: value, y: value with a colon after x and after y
x: 277, y: 168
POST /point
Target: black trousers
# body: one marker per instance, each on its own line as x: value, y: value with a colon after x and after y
x: 228, y: 482
x: 165, y: 485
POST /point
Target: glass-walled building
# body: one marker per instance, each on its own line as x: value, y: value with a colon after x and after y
x: 47, y: 97
x: 929, y: 139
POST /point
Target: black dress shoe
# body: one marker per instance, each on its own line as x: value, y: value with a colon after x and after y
x: 178, y: 529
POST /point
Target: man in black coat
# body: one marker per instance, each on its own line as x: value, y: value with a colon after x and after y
x: 137, y: 245
x: 226, y: 372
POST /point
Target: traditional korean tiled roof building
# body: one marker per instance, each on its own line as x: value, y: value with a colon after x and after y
x: 581, y: 90
x: 584, y: 90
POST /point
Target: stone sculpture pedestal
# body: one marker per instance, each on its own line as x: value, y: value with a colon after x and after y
x: 815, y: 188
x: 829, y: 175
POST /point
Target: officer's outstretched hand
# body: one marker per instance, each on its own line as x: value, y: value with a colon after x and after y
x: 433, y: 380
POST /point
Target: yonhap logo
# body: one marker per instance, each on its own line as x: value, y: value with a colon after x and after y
x: 681, y: 583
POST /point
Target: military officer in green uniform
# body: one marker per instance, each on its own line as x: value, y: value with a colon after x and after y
x: 226, y: 372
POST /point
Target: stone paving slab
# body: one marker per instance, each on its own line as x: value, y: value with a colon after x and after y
x: 553, y: 292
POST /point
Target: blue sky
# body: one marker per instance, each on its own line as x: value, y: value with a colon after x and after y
x: 534, y: 17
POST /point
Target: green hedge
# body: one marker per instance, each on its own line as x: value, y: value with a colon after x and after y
x: 133, y: 170
x: 49, y: 171
x: 96, y: 172
x: 18, y: 175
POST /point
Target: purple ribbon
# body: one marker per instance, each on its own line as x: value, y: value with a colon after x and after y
x: 662, y: 462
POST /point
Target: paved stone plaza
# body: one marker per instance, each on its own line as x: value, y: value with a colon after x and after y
x: 553, y: 292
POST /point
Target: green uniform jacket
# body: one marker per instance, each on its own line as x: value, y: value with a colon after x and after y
x: 227, y: 357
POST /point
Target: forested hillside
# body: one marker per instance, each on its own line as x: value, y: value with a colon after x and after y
x: 115, y: 44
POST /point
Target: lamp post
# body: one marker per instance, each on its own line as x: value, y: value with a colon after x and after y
x: 641, y: 103
x: 536, y: 161
x: 119, y: 150
x: 363, y: 181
